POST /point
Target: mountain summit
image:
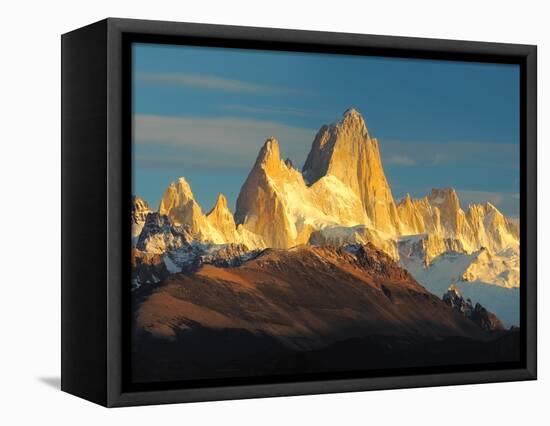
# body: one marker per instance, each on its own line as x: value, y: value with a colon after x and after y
x: 263, y: 202
x: 346, y: 151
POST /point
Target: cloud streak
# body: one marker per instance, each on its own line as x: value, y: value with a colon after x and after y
x: 206, y: 141
x: 268, y: 110
x: 211, y: 82
x: 400, y: 160
x: 435, y: 153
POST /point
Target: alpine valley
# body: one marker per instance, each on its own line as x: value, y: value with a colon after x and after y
x: 320, y: 270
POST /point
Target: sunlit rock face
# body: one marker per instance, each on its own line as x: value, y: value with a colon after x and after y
x: 491, y: 229
x: 449, y: 227
x: 178, y: 203
x: 260, y: 206
x: 216, y: 227
x: 221, y: 218
x: 347, y: 151
x: 276, y: 203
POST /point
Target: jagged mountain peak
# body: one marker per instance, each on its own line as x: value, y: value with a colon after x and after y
x: 453, y: 297
x: 178, y: 192
x: 139, y: 206
x: 159, y: 235
x: 139, y: 211
x: 353, y: 119
x: 352, y: 112
x: 221, y: 219
x: 271, y: 143
x: 139, y: 203
x: 269, y: 158
x: 178, y: 203
x: 221, y: 203
x: 482, y: 210
x: 489, y: 207
x: 270, y: 149
x: 347, y: 137
x: 445, y: 198
x: 262, y: 204
x: 442, y: 194
x: 182, y: 188
x: 345, y: 150
x: 477, y: 314
x: 406, y: 200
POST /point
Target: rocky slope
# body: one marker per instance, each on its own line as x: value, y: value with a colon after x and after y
x: 304, y: 298
x: 164, y: 248
x: 305, y: 310
x: 477, y: 314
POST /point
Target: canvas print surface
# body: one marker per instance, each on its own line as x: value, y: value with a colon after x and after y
x: 298, y: 213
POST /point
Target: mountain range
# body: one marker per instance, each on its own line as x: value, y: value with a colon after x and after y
x: 340, y: 197
x: 320, y: 270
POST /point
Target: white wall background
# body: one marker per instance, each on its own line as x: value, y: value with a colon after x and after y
x: 30, y: 211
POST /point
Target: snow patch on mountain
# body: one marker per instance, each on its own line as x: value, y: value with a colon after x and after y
x: 500, y: 269
x: 449, y: 269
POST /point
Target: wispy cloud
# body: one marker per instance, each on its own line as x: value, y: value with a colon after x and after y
x: 271, y: 111
x: 207, y: 141
x: 436, y: 153
x: 211, y: 82
x: 400, y: 160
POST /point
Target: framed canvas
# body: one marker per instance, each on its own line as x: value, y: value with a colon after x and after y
x: 252, y: 212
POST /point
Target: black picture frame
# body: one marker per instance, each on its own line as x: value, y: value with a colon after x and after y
x: 96, y: 131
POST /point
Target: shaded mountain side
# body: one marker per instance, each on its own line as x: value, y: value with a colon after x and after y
x: 206, y: 353
x: 305, y: 298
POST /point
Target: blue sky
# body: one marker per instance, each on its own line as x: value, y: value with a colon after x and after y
x: 203, y: 113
